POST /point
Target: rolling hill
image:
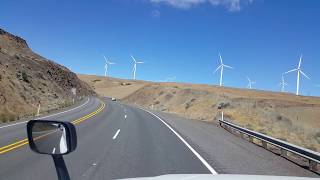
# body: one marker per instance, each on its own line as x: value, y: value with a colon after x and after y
x: 282, y: 115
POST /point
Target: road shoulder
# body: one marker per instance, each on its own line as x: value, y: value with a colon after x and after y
x: 229, y: 154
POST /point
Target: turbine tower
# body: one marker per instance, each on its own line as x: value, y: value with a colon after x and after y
x: 298, y: 74
x: 135, y: 66
x: 283, y: 84
x: 106, y: 66
x: 221, y: 67
x: 250, y: 83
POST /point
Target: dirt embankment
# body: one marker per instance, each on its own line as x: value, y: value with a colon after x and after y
x: 27, y: 79
x: 285, y: 116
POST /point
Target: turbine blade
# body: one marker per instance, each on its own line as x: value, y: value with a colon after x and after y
x: 290, y: 71
x: 133, y: 58
x: 217, y: 69
x: 221, y: 61
x: 140, y: 62
x: 228, y: 66
x: 304, y: 74
x: 105, y: 58
x: 300, y: 61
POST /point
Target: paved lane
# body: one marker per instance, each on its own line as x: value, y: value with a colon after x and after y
x: 120, y: 141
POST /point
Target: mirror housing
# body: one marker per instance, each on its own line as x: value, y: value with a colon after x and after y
x: 51, y: 137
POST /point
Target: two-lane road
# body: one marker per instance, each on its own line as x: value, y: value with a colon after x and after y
x: 117, y: 142
x: 120, y: 141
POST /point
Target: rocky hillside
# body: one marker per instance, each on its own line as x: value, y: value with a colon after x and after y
x: 27, y: 79
x: 282, y: 115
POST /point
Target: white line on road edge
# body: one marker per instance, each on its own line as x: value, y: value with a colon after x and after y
x: 46, y: 116
x: 204, y: 162
x: 115, y: 136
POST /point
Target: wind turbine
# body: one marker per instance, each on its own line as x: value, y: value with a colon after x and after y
x: 221, y: 67
x: 106, y: 66
x: 298, y: 76
x: 135, y: 66
x: 283, y: 84
x: 250, y: 83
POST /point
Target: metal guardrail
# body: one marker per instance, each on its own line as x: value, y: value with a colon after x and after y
x: 312, y: 156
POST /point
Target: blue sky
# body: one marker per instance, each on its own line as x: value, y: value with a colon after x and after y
x: 182, y: 38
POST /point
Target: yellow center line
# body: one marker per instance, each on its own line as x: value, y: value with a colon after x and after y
x: 4, y: 147
x: 23, y: 142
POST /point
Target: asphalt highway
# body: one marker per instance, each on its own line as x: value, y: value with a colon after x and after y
x: 120, y: 141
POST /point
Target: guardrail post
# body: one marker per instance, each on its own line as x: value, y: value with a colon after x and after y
x: 250, y: 138
x: 241, y: 134
x: 313, y: 165
x: 283, y: 153
x: 264, y: 144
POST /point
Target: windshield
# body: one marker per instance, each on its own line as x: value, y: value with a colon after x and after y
x: 160, y: 87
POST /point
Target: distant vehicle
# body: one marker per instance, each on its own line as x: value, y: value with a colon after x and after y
x: 113, y: 99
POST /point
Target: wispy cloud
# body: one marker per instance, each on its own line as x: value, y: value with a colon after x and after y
x: 230, y: 5
x: 155, y: 13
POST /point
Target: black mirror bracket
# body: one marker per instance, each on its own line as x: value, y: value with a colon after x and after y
x: 61, y: 168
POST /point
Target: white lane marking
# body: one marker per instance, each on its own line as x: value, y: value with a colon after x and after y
x: 54, y: 150
x: 204, y: 162
x: 115, y: 136
x: 47, y: 116
x: 125, y: 116
x: 13, y: 124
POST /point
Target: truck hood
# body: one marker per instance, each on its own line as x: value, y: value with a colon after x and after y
x: 220, y: 177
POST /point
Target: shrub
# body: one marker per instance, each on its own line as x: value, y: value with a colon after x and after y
x: 96, y: 80
x: 188, y: 105
x: 317, y: 136
x: 279, y: 117
x: 223, y: 105
x: 25, y: 77
x: 7, y: 117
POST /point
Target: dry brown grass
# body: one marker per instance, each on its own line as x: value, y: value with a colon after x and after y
x: 285, y: 116
x: 111, y: 87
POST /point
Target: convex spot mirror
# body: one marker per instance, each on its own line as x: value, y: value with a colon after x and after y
x: 51, y: 137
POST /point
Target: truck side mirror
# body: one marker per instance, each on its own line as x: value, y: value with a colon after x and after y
x: 54, y: 138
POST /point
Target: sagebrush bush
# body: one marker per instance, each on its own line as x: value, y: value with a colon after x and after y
x: 25, y: 77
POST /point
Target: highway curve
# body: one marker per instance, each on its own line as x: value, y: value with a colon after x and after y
x: 121, y: 141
